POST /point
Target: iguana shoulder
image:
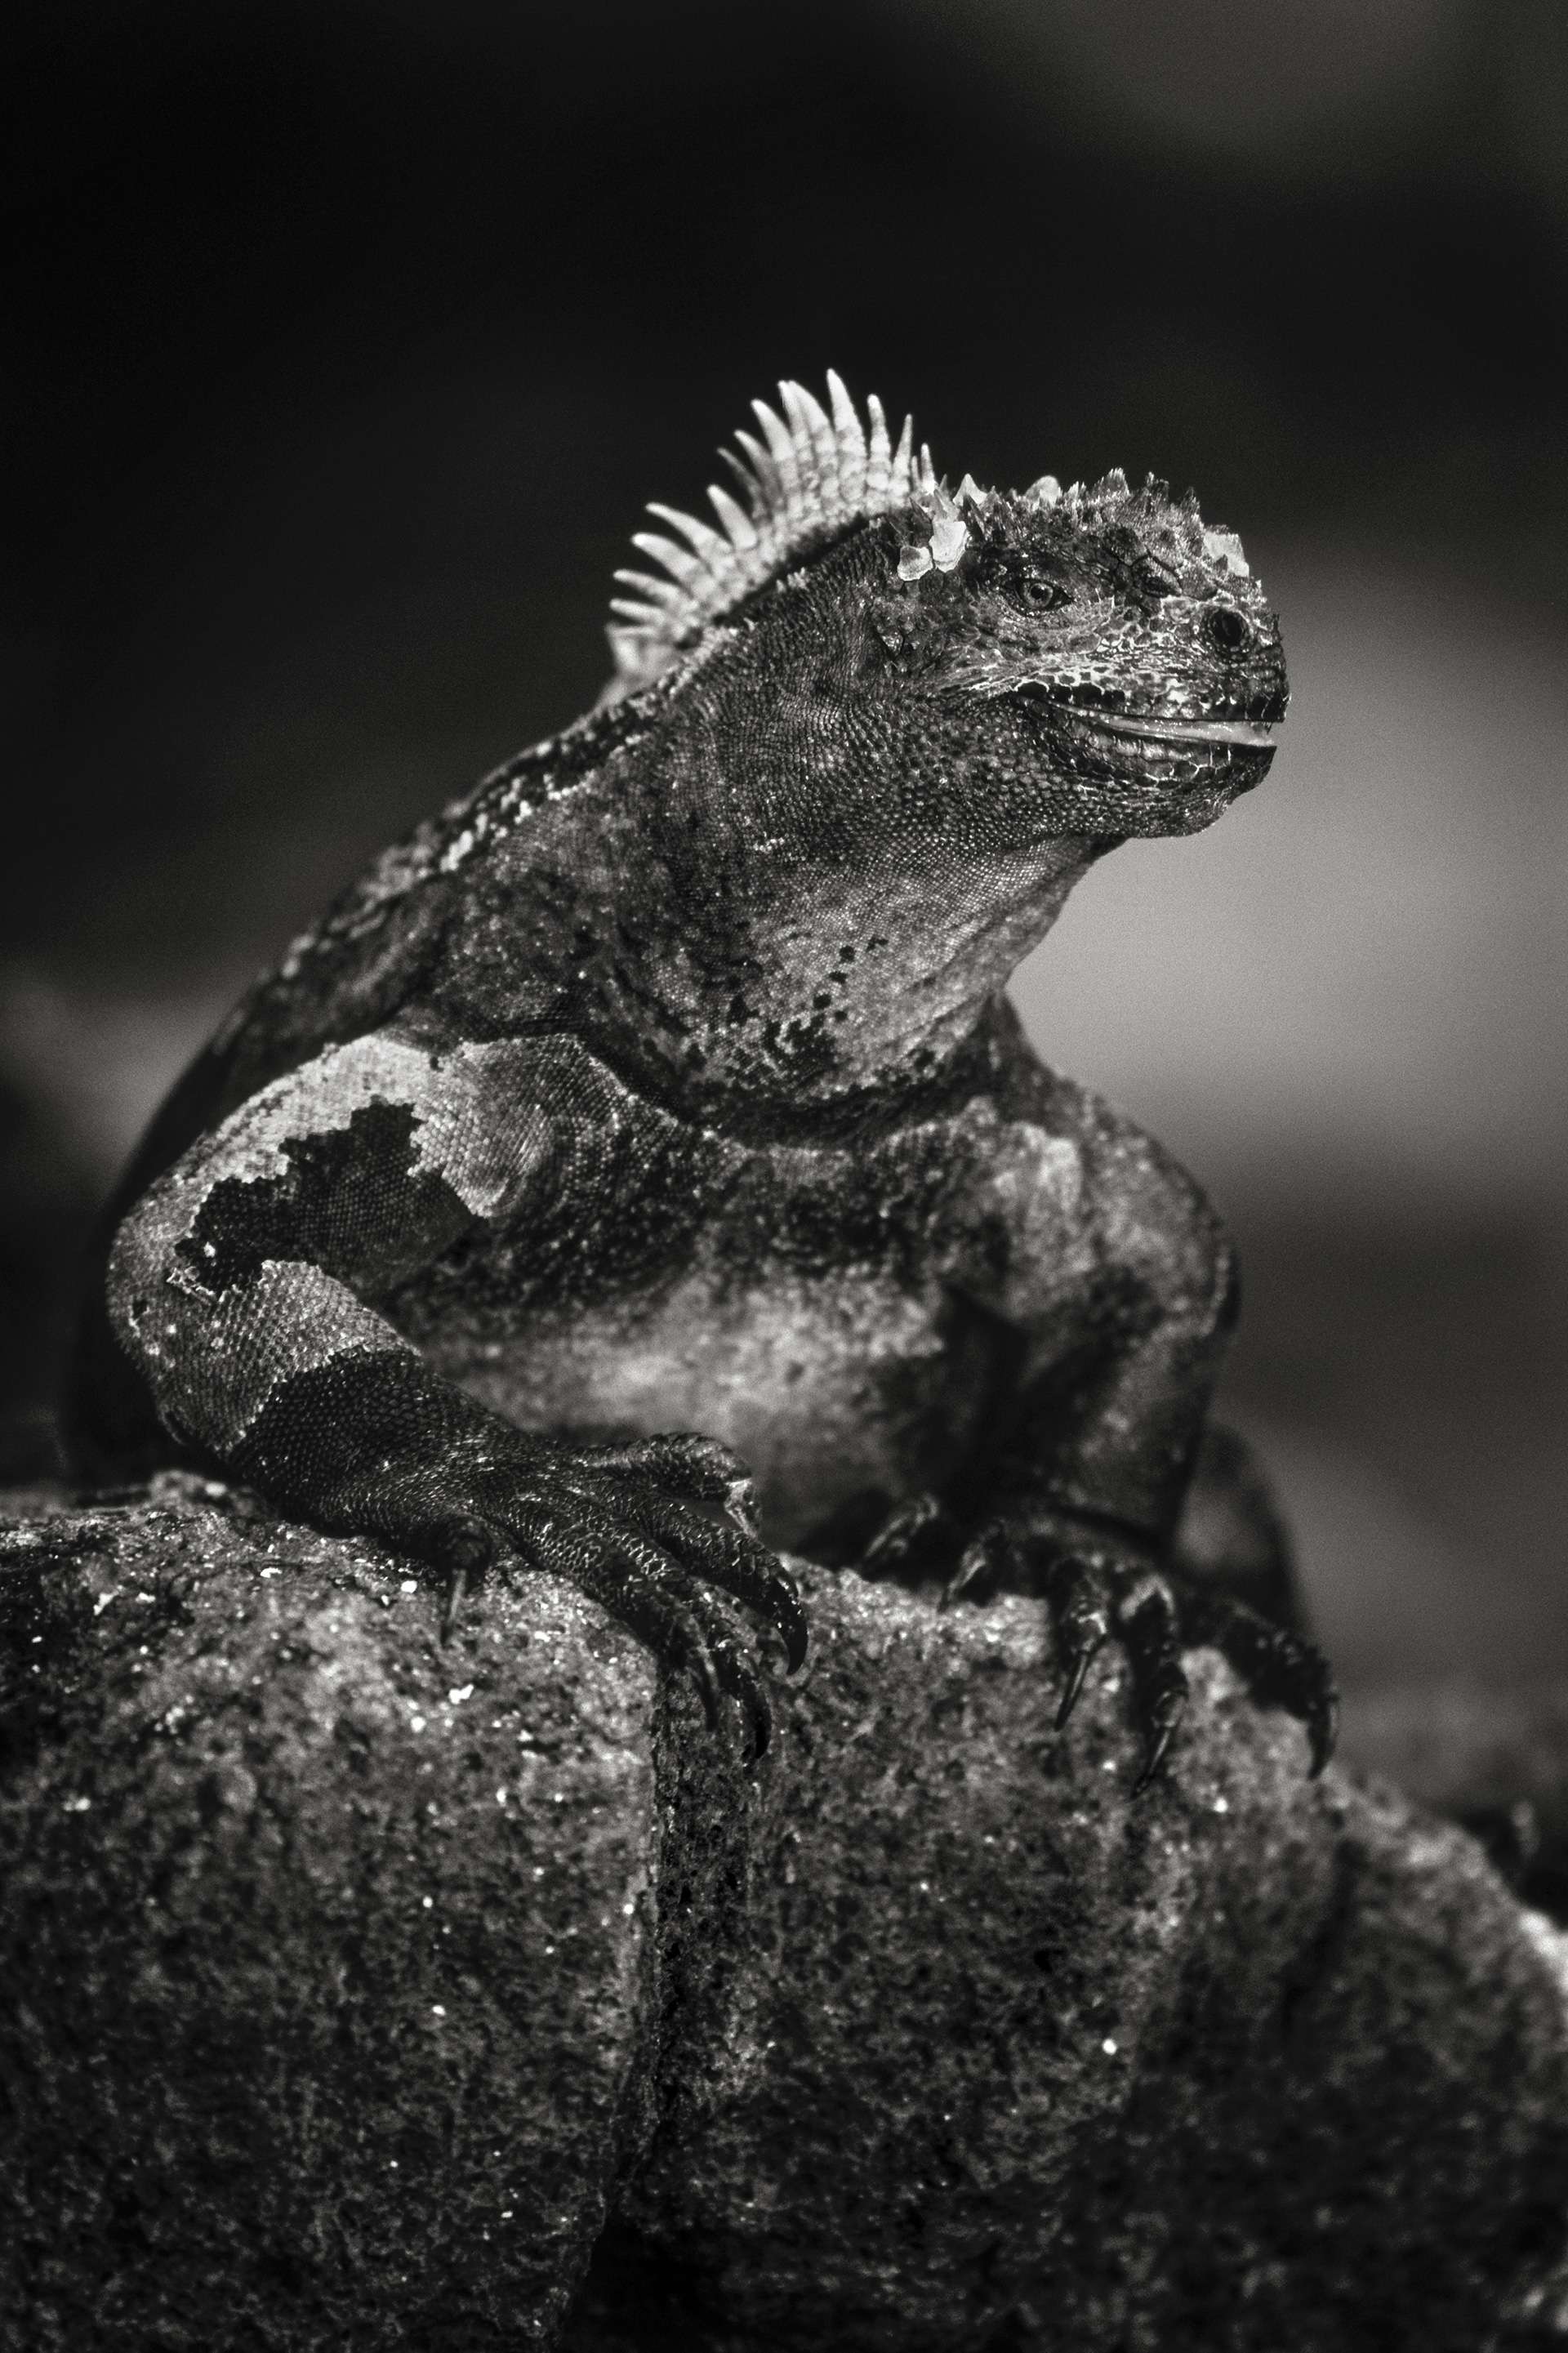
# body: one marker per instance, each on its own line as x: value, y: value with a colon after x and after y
x: 372, y: 959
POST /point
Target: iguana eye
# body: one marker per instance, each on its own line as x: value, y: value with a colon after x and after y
x: 1030, y: 591
x: 1226, y: 631
x: 1036, y: 596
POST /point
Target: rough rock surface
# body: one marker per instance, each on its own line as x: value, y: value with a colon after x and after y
x: 312, y: 2038
x: 932, y: 2037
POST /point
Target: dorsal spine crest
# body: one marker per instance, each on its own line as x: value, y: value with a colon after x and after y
x: 813, y: 473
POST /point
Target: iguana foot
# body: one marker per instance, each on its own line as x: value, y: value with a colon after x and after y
x: 379, y: 1445
x: 1097, y: 1588
x: 375, y: 1442
x: 622, y: 1523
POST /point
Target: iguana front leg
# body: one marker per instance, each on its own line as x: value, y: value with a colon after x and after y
x: 1086, y: 1532
x: 244, y: 1285
x: 1119, y: 1283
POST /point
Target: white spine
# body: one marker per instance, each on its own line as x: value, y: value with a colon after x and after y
x: 813, y: 471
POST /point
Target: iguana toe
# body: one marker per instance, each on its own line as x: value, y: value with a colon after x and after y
x: 1151, y: 1631
x: 1079, y: 1600
x: 903, y: 1535
x: 1098, y: 1590
x: 1279, y: 1667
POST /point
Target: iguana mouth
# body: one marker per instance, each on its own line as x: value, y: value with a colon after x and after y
x: 1258, y: 733
x: 1147, y: 727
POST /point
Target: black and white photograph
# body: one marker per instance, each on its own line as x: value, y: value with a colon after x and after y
x: 783, y: 1178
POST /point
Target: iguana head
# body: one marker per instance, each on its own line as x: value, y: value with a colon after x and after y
x: 875, y: 730
x: 1101, y: 640
x: 1087, y: 661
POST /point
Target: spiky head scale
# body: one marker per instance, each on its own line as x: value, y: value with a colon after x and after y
x: 1149, y: 517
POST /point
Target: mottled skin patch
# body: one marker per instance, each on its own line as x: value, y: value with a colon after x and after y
x: 666, y: 1082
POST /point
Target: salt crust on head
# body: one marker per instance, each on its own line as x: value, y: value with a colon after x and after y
x: 814, y: 473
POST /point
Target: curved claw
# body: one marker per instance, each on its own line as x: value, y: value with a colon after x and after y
x: 981, y: 1560
x: 786, y: 1613
x: 1162, y: 1708
x: 1080, y: 1605
x: 699, y: 1660
x: 1160, y: 1684
x: 735, y: 1676
x: 762, y: 1716
x: 899, y: 1533
x: 468, y: 1548
x: 1078, y: 1675
x: 717, y: 1668
x: 1153, y: 1757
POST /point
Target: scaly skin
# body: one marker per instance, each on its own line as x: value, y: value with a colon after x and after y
x: 668, y: 1083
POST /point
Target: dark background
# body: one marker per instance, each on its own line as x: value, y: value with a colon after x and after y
x: 347, y: 340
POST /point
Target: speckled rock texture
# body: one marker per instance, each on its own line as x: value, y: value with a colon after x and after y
x: 324, y: 1985
x: 348, y: 1985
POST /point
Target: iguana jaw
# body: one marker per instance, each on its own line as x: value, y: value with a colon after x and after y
x: 1157, y: 750
x: 1257, y: 734
x: 1250, y: 731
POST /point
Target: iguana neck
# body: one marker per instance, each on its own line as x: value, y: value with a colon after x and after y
x: 760, y: 1007
x: 767, y: 907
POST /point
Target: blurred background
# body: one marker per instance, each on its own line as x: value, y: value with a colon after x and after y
x: 349, y: 339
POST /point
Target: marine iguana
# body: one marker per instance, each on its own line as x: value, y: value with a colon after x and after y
x: 667, y: 1083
